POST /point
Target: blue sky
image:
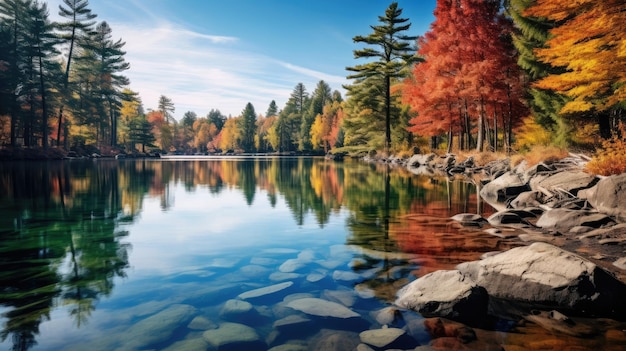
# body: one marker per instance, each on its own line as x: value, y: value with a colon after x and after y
x: 222, y: 54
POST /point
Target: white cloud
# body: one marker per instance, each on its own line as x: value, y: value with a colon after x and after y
x: 199, y: 71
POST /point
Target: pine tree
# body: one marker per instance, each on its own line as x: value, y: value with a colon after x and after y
x: 395, y: 53
x: 80, y: 22
x: 247, y: 127
x: 532, y: 33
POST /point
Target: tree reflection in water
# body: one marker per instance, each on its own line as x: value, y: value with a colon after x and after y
x: 62, y: 241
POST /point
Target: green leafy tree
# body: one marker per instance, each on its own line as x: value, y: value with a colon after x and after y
x: 395, y: 52
x: 217, y: 118
x: 140, y: 132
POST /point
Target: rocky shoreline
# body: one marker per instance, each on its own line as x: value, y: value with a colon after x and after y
x: 571, y: 261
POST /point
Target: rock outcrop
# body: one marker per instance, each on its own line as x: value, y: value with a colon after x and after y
x: 539, y: 275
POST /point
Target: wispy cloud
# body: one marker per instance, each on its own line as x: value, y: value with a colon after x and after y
x: 200, y: 71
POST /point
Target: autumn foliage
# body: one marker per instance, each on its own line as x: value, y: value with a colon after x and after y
x: 611, y: 158
x: 469, y: 80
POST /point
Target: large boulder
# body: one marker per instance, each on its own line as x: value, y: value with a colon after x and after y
x: 448, y: 294
x: 501, y: 189
x: 543, y: 274
x: 609, y: 196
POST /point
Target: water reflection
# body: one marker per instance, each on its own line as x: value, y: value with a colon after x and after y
x: 63, y: 242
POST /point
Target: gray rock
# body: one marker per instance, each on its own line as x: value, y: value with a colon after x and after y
x: 291, y: 265
x: 563, y: 219
x: 509, y: 219
x: 233, y: 335
x: 448, y: 294
x: 236, y: 310
x: 280, y: 276
x: 567, y: 181
x: 334, y: 340
x: 609, y: 196
x: 344, y: 297
x: 289, y: 347
x: 201, y: 323
x: 290, y: 322
x: 386, y: 316
x: 322, y: 308
x: 381, y: 338
x: 469, y: 219
x: 420, y: 160
x: 528, y: 199
x: 265, y: 291
x: 503, y: 188
x: 188, y: 345
x: 346, y: 276
x: 543, y: 274
x: 158, y: 327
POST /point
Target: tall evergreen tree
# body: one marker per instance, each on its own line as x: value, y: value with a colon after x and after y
x: 290, y: 119
x: 395, y: 52
x: 320, y: 97
x: 166, y: 106
x: 14, y: 15
x: 80, y: 22
x: 247, y: 128
x: 272, y: 109
x: 532, y: 33
x: 99, y: 73
x: 43, y: 50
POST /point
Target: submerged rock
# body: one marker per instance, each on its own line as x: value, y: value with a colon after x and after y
x: 157, y: 328
x: 233, y: 336
x: 265, y: 291
x: 385, y: 338
x: 322, y: 308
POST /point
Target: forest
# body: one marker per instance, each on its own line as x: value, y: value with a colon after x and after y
x: 489, y: 75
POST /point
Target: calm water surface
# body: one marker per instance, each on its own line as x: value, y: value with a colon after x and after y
x: 150, y: 254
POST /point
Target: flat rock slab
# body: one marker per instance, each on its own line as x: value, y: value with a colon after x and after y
x: 265, y: 291
x: 564, y: 219
x: 158, y: 327
x: 231, y: 334
x: 381, y: 338
x: 322, y: 308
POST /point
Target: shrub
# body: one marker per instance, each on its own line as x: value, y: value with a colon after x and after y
x: 611, y: 157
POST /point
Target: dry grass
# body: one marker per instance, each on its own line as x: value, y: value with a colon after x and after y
x: 538, y: 154
x: 480, y: 158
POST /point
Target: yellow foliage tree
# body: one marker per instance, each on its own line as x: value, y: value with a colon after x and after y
x: 589, y: 42
x: 230, y: 134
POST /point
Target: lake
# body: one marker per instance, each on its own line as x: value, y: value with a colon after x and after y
x: 229, y: 254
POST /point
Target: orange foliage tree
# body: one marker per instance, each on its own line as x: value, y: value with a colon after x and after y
x: 589, y: 42
x: 469, y: 74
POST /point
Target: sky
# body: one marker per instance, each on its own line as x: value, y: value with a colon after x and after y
x: 222, y: 54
